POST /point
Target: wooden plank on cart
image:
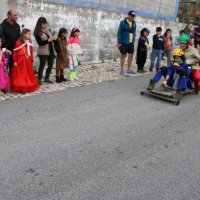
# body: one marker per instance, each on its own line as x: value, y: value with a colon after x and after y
x: 157, y: 95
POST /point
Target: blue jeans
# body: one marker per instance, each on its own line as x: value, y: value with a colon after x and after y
x: 169, y: 57
x: 156, y: 53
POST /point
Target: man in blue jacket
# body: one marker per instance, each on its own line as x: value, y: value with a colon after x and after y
x: 126, y: 38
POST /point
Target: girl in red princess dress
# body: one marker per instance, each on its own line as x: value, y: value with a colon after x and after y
x: 22, y: 76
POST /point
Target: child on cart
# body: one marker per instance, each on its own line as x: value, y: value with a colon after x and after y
x: 169, y: 73
x: 192, y: 58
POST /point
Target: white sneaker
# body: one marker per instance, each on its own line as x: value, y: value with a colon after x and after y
x: 71, y: 79
x: 76, y: 78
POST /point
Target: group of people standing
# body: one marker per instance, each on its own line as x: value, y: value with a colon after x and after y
x: 16, y: 54
x: 185, y: 56
x: 185, y: 63
x: 16, y: 51
x: 162, y: 45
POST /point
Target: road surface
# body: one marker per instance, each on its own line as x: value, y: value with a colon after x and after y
x: 100, y: 142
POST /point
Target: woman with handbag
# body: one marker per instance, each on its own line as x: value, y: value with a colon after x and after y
x: 45, y: 51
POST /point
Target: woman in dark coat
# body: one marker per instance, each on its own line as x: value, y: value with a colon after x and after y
x: 61, y: 60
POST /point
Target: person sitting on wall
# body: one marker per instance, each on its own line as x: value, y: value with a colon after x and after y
x: 126, y: 38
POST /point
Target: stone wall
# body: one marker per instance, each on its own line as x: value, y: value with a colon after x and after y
x: 161, y: 9
x: 98, y: 27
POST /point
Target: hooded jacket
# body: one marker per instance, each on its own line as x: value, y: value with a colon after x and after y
x: 124, y: 30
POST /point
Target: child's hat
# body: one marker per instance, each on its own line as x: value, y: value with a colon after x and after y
x: 197, y: 30
x: 183, y: 39
x: 178, y: 52
x: 75, y: 29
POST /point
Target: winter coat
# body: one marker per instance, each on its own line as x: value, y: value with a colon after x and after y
x: 73, y: 46
x: 192, y: 57
x: 143, y: 44
x: 11, y: 33
x: 183, y: 68
x: 45, y: 48
x: 158, y: 42
x: 124, y: 30
x: 61, y: 59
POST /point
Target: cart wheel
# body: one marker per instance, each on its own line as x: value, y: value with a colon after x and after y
x: 196, y: 92
x: 177, y: 102
x: 142, y: 92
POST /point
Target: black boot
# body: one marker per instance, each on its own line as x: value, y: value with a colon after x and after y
x: 62, y: 78
x: 4, y: 91
x: 47, y: 80
x: 151, y: 85
x: 58, y: 79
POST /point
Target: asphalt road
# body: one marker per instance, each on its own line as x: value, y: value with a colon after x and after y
x: 100, y: 142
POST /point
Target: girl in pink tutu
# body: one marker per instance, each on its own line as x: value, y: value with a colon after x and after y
x: 73, y: 52
x: 4, y: 78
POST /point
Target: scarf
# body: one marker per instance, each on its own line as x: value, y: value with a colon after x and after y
x: 29, y: 44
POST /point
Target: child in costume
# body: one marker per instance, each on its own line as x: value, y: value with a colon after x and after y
x: 143, y: 45
x: 61, y: 59
x: 179, y: 67
x: 22, y: 75
x: 73, y: 52
x: 4, y: 78
x: 192, y: 58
